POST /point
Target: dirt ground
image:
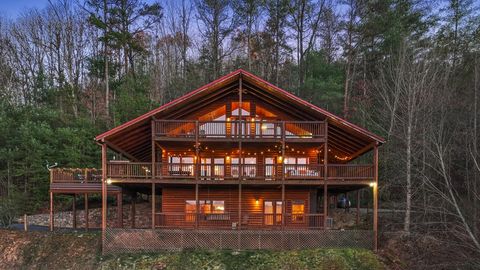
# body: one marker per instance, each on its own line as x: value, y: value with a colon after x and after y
x: 41, y: 250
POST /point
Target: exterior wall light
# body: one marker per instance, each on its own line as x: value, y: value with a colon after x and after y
x: 372, y: 184
x: 109, y: 181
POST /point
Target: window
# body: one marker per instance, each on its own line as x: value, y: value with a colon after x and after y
x: 206, y: 207
x: 296, y: 166
x: 269, y: 168
x: 249, y: 167
x: 183, y: 166
x: 272, y: 212
x: 298, y: 211
x: 190, y: 210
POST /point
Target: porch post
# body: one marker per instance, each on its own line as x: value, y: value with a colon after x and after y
x: 51, y: 212
x: 132, y: 209
x: 375, y: 198
x: 74, y: 211
x: 120, y: 210
x: 197, y: 206
x: 358, y: 208
x: 325, y: 177
x: 153, y: 205
x: 154, y: 156
x: 104, y: 189
x: 239, y: 205
x: 283, y: 176
x: 86, y: 211
x: 240, y: 159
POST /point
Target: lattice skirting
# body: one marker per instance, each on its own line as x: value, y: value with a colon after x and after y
x: 147, y: 240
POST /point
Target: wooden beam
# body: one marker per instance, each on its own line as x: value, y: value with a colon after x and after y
x: 375, y: 199
x: 132, y: 209
x: 86, y: 211
x: 52, y: 222
x: 202, y: 102
x: 115, y: 148
x: 325, y: 175
x: 358, y: 208
x: 197, y: 206
x: 119, y: 210
x: 362, y: 151
x: 104, y: 190
x: 74, y: 212
x: 153, y: 205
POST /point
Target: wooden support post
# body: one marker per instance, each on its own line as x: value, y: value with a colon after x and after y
x: 358, y: 208
x: 132, y: 209
x: 52, y: 222
x: 119, y: 210
x: 154, y: 154
x: 153, y: 205
x: 239, y: 206
x: 104, y: 189
x: 197, y: 206
x: 197, y: 152
x: 283, y: 175
x: 86, y: 212
x: 375, y: 199
x: 74, y: 211
x: 325, y: 177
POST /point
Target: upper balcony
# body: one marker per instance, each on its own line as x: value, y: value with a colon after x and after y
x: 258, y: 130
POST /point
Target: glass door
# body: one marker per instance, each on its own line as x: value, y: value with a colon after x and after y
x: 269, y: 168
x: 272, y: 213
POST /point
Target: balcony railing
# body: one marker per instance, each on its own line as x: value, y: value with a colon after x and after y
x: 230, y: 221
x: 71, y: 175
x: 266, y: 172
x: 212, y: 130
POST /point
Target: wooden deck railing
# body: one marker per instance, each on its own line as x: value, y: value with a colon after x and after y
x: 129, y: 169
x: 75, y: 175
x: 230, y: 221
x: 256, y: 129
x: 268, y: 172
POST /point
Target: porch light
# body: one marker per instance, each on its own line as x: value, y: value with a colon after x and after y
x: 280, y: 159
x: 109, y: 181
x: 228, y: 119
x: 256, y: 201
x: 227, y: 158
x: 372, y: 184
x: 253, y: 119
x: 264, y: 127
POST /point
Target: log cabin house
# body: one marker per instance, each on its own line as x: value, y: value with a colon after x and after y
x: 231, y: 162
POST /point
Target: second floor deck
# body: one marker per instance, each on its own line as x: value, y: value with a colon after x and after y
x: 248, y: 129
x: 217, y: 173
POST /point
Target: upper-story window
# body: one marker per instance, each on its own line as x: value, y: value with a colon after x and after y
x: 249, y: 167
x: 181, y: 166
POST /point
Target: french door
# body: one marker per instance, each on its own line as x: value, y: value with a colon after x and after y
x: 272, y: 213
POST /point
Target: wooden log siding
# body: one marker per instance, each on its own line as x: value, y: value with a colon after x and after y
x: 173, y: 214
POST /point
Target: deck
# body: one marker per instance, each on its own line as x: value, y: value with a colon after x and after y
x: 252, y: 130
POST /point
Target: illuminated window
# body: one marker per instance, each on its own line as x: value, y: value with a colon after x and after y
x: 190, y: 210
x: 218, y: 207
x: 206, y: 207
x: 298, y: 210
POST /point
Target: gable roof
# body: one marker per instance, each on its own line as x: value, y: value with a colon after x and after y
x: 261, y: 84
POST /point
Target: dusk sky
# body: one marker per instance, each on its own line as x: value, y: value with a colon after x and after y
x: 11, y: 8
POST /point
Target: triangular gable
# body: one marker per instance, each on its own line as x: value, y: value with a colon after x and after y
x: 259, y: 83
